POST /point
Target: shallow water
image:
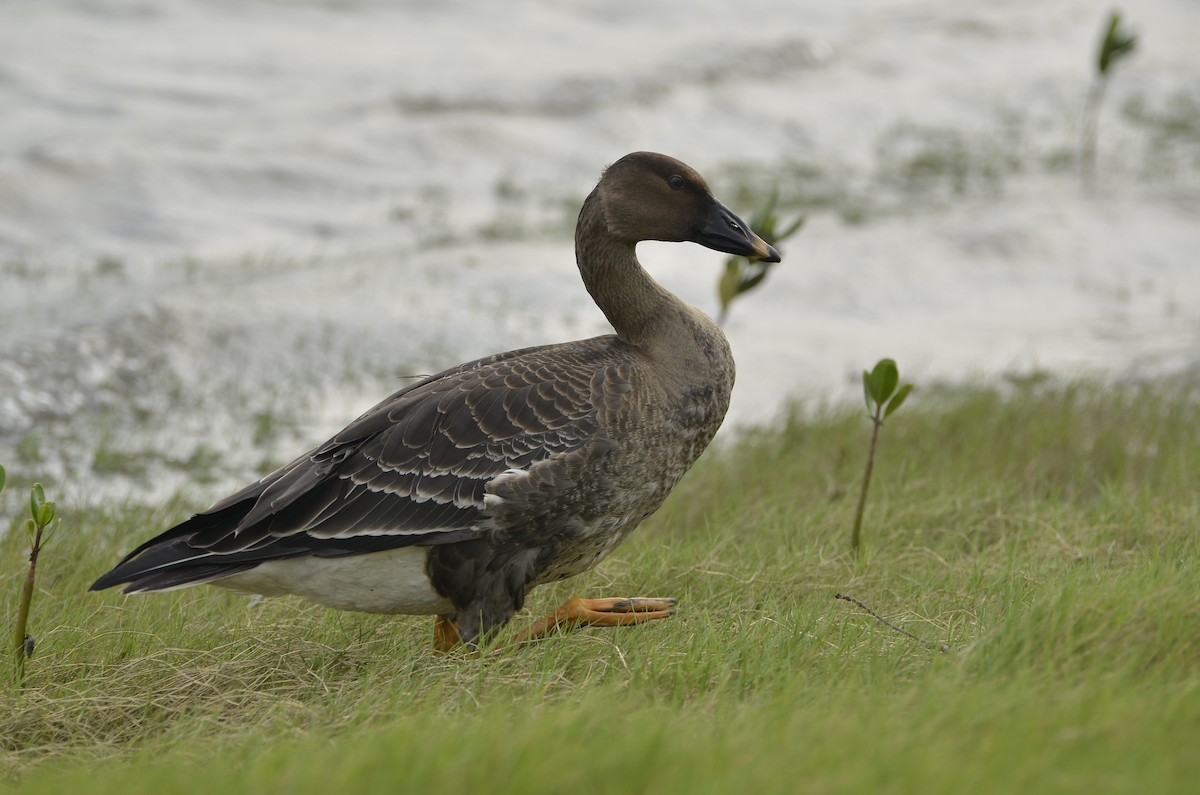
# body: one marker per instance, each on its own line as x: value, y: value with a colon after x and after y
x: 227, y: 228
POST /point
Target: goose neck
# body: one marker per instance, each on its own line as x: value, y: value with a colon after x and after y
x: 633, y: 302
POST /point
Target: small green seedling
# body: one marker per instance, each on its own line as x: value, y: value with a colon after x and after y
x: 40, y: 526
x: 884, y: 395
x: 741, y: 274
x: 1116, y: 44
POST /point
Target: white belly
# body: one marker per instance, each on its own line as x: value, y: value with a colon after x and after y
x: 393, y: 581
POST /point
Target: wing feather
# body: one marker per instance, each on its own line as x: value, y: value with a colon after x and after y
x: 413, y: 469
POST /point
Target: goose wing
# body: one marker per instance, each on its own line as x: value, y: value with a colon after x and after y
x: 412, y: 470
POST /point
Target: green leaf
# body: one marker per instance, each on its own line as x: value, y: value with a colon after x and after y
x: 898, y: 400
x: 37, y: 496
x: 764, y: 217
x: 3, y: 477
x: 890, y: 378
x: 883, y: 380
x: 868, y: 392
x: 46, y: 514
x: 727, y: 287
x: 751, y: 282
x: 42, y: 512
x: 1115, y: 45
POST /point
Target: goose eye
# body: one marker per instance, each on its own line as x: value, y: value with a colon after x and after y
x: 676, y: 182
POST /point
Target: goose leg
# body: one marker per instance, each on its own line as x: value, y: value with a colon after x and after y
x: 574, y: 613
x: 599, y: 613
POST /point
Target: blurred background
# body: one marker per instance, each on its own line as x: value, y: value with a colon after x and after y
x: 227, y: 228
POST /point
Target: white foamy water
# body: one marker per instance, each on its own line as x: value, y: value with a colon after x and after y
x: 226, y: 228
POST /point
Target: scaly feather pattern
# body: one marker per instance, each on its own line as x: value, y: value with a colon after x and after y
x: 412, y: 470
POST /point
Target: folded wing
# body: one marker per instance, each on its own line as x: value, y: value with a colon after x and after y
x: 412, y: 470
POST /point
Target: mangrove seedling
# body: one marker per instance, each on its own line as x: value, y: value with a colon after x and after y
x: 741, y: 274
x: 884, y: 395
x: 40, y: 526
x: 1115, y: 45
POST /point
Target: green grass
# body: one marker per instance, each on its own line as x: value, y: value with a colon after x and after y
x: 1049, y: 537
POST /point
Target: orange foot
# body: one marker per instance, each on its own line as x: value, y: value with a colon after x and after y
x: 574, y: 613
x: 599, y: 613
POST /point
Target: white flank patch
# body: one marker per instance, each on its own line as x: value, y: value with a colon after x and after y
x: 393, y: 581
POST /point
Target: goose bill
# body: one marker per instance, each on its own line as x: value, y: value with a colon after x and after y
x: 725, y: 232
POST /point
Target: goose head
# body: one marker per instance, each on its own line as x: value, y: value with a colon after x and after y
x: 648, y: 196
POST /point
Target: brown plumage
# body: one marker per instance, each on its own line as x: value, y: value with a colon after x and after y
x: 458, y: 494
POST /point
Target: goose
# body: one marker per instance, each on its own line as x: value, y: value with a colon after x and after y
x: 458, y: 494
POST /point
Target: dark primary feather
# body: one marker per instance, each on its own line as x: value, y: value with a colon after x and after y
x: 412, y: 470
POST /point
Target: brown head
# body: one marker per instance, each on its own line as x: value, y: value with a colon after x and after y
x: 648, y: 196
